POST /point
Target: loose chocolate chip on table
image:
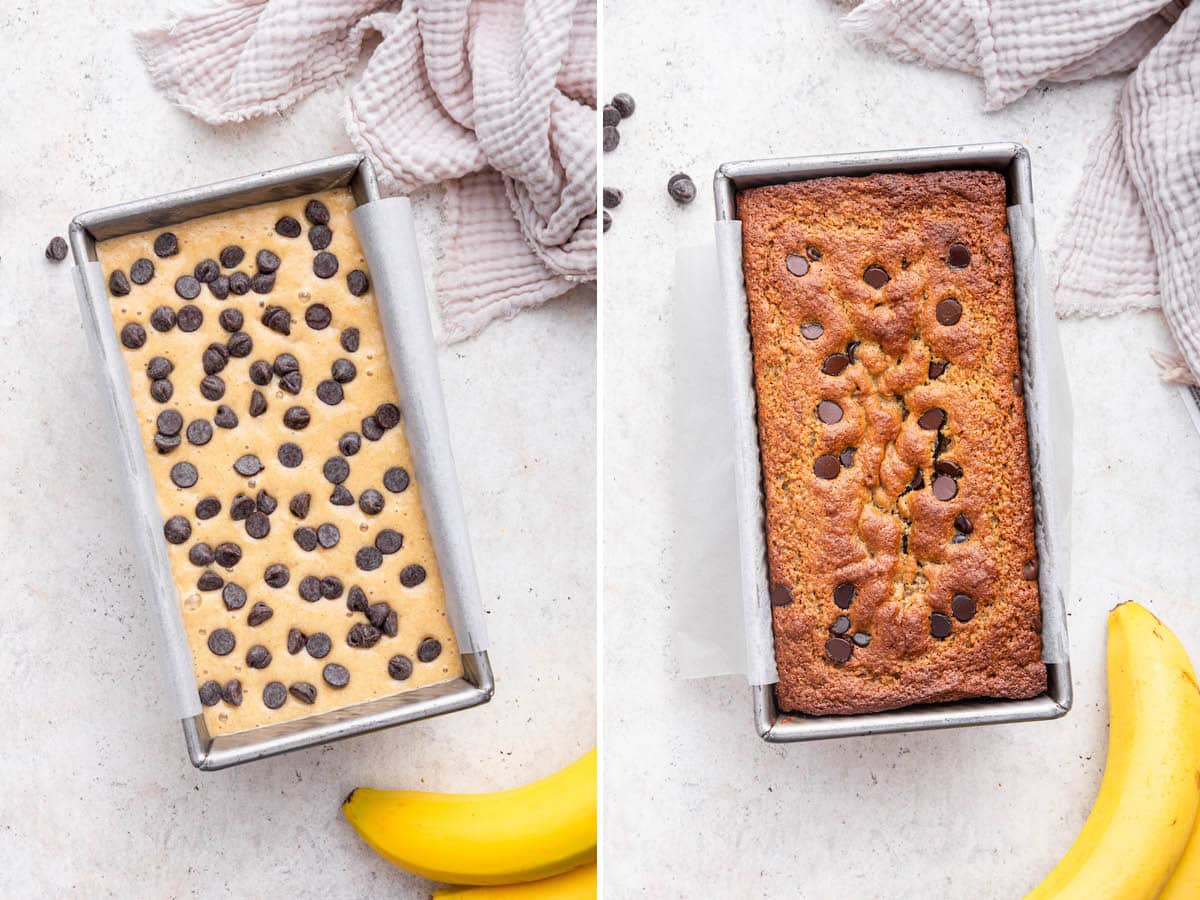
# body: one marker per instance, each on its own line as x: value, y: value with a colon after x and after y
x: 940, y: 625
x: 349, y: 443
x: 258, y: 404
x: 838, y: 649
x: 341, y: 496
x: 199, y: 432
x: 316, y: 212
x: 429, y: 650
x: 118, y: 284
x: 813, y: 253
x: 396, y: 479
x: 368, y: 559
x: 264, y: 283
x: 210, y: 693
x: 248, y: 464
x: 356, y: 282
x: 221, y: 642
x: 240, y: 345
x: 290, y: 455
x: 219, y: 287
x: 258, y: 525
x: 162, y: 319
x: 610, y: 115
x: 310, y: 588
x: 846, y: 457
x: 1029, y: 571
x: 320, y: 237
x: 812, y: 330
x: 228, y: 554
x: 258, y: 657
x: 829, y: 412
x: 189, y: 318
x: 613, y: 197
x: 166, y: 244
x: 239, y: 283
x: 184, y: 475
x: 371, y: 429
x: 232, y: 692
x: 681, y: 188
x: 840, y: 625
x: 288, y: 227
x: 267, y: 262
x: 336, y: 469
x: 165, y: 443
x: 291, y: 383
x: 861, y: 639
x: 400, y: 667
x: 207, y: 508
x: 133, y: 336
x: 349, y: 339
x: 325, y: 264
x: 274, y: 695
x: 331, y: 587
x: 231, y: 257
x: 330, y: 392
x: 958, y: 256
x: 241, y: 507
x: 936, y: 370
x: 214, y: 359
x: 963, y: 524
x: 781, y: 595
x: 843, y: 595
x: 306, y: 538
x: 169, y: 422
x: 612, y: 138
x: 826, y: 466
x: 328, y: 535
x: 932, y: 419
x: 948, y: 467
x: 371, y: 502
x: 876, y: 276
x: 187, y: 287
x: 296, y: 418
x: 963, y: 607
x: 944, y: 487
x: 295, y: 641
x: 624, y: 104
x: 318, y: 316
x: 231, y: 320
x: 607, y: 220
x: 210, y: 581
x: 949, y: 311
x: 225, y: 417
x: 797, y: 264
x: 162, y: 389
x: 141, y: 271
x: 412, y: 575
x: 56, y: 249
x: 835, y: 364
x: 387, y: 415
x: 343, y: 371
x: 300, y: 505
x: 277, y: 575
x: 266, y: 503
x: 304, y: 692
x: 377, y: 613
x: 201, y: 554
x: 260, y: 372
x: 336, y: 676
x: 234, y: 596
x: 205, y: 271
x: 356, y: 600
x: 177, y: 529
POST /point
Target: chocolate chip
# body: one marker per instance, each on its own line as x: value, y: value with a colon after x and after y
x: 429, y: 650
x: 210, y: 581
x: 843, y: 594
x: 963, y: 524
x: 260, y: 372
x: 228, y: 554
x: 141, y: 271
x: 829, y: 412
x: 258, y: 525
x: 1029, y: 571
x: 948, y: 467
x: 232, y: 692
x: 840, y: 625
x: 917, y: 482
x: 963, y: 607
x: 377, y: 613
x: 231, y: 320
x: 221, y: 642
x: 329, y: 392
x: 239, y: 283
x: 610, y: 115
x: 876, y: 276
x: 159, y: 367
x: 328, y: 535
x: 838, y: 649
x: 958, y: 256
x: 391, y: 625
x: 368, y: 559
x: 781, y: 595
x: 343, y: 371
x: 932, y: 419
x: 274, y: 695
x: 940, y: 625
x: 259, y: 613
x: 240, y: 345
x: 797, y: 264
x: 288, y: 227
x: 219, y: 287
x: 231, y: 256
x: 300, y: 505
x: 861, y: 639
x: 850, y: 348
x: 812, y: 330
x: 56, y: 250
x: 336, y: 469
x: 363, y: 636
x: 296, y: 418
x: 336, y: 676
x: 225, y: 417
x: 331, y: 587
x: 248, y: 465
x: 177, y: 529
x: 306, y: 538
x: 166, y: 244
x: 199, y: 432
x: 944, y: 487
x: 936, y: 370
x: 371, y: 429
x: 258, y: 404
x: 325, y: 264
x: 949, y: 311
x: 118, y: 284
x: 161, y: 390
x: 310, y: 588
x: 291, y: 383
x: 349, y: 340
x: 241, y: 507
x: 396, y: 479
x: 165, y: 443
x: 201, y: 554
x: 612, y: 138
x: 304, y: 692
x: 295, y: 641
x: 412, y: 575
x: 320, y: 237
x: 266, y: 503
x: 318, y: 316
x: 234, y: 596
x: 267, y: 262
x: 214, y: 359
x: 387, y: 415
x: 349, y: 443
x: 356, y: 600
x: 813, y: 253
x: 184, y: 475
x: 835, y: 364
x: 826, y: 467
x: 277, y: 575
x: 169, y: 422
x: 277, y: 319
x: 207, y: 508
x: 357, y: 282
x: 189, y: 318
x: 162, y: 319
x: 133, y: 336
x: 846, y: 457
x: 210, y: 693
x: 613, y: 197
x: 290, y: 455
x: 316, y: 212
x: 400, y: 667
x: 187, y: 287
x: 206, y: 271
x: 258, y: 657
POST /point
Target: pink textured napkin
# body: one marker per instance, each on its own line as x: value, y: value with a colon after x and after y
x: 1133, y: 239
x: 494, y: 98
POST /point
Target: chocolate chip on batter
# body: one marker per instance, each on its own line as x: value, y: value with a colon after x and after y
x: 210, y: 581
x: 958, y: 256
x: 162, y: 319
x: 310, y: 588
x: 258, y: 404
x: 429, y: 650
x: 349, y: 443
x: 166, y: 244
x: 228, y: 554
x: 266, y: 503
x: 368, y: 559
x: 296, y: 418
x: 219, y: 287
x: 214, y: 359
x: 944, y: 487
x: 835, y: 364
x: 291, y: 383
x: 387, y: 415
x: 187, y: 287
x: 328, y: 535
x: 846, y: 457
x: 316, y: 212
x: 357, y: 282
x: 260, y: 372
x: 797, y: 264
x: 300, y: 505
x: 165, y: 443
x: 377, y: 612
x: 241, y: 508
x: 201, y: 554
x: 861, y: 639
x: 159, y: 367
x: 221, y: 642
x: 349, y: 340
x: 225, y: 417
x: 325, y: 264
x: 258, y: 525
x: 304, y: 692
x: 843, y: 595
x: 306, y: 538
x: 266, y: 261
x: 1029, y: 571
x: 231, y: 256
x: 940, y: 625
x: 371, y: 429
x: 840, y: 625
x: 948, y: 467
x: 318, y: 316
x: 141, y: 271
x: 336, y: 676
x: 949, y: 311
x: 963, y: 607
x: 184, y: 475
x: 277, y: 319
x: 210, y: 693
x: 232, y: 692
x: 290, y: 455
x: 169, y: 422
x: 264, y: 283
x: 396, y: 479
x: 829, y: 412
x: 56, y: 250
x: 277, y: 575
x: 412, y: 575
x: 274, y: 695
x: 400, y: 667
x: 240, y: 345
x: 932, y: 419
x: 781, y: 595
x: 234, y: 596
x: 161, y: 389
x: 133, y: 336
x: 356, y: 600
x: 318, y: 645
x: 206, y: 271
x: 248, y: 465
x: 118, y: 284
x: 288, y: 227
x: 329, y: 392
x: 363, y: 636
x: 258, y: 657
x: 341, y: 496
x: 391, y: 624
x: 331, y: 587
x: 826, y: 467
x: 838, y: 649
x: 876, y: 276
x: 336, y: 469
x: 239, y: 283
x: 207, y: 508
x: 199, y: 432
x: 231, y: 320
x: 343, y: 371
x: 320, y: 237
x: 371, y: 502
x: 295, y: 641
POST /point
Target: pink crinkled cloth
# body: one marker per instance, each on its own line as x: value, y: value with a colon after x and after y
x: 494, y: 98
x: 1133, y: 239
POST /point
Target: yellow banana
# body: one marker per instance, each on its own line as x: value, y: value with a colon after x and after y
x: 578, y: 884
x: 1185, y: 880
x: 1149, y: 795
x: 524, y: 834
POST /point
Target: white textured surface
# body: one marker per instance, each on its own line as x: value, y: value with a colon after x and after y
x: 99, y: 798
x: 697, y: 805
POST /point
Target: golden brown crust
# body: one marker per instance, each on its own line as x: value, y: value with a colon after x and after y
x: 867, y: 526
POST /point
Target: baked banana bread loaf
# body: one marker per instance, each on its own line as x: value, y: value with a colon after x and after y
x: 894, y: 451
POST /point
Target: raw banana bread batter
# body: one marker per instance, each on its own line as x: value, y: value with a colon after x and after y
x: 303, y: 562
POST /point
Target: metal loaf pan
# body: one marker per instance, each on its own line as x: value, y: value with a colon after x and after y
x: 207, y: 752
x: 774, y: 726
